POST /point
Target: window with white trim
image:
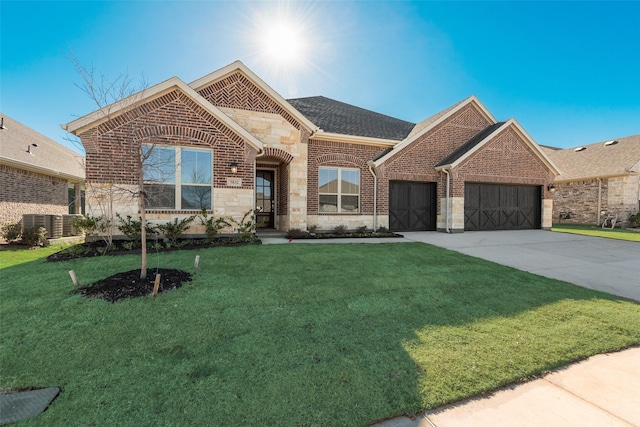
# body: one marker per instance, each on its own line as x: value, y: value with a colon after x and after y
x: 177, y: 178
x: 338, y: 190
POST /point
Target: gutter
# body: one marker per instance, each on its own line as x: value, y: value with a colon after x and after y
x: 447, y: 200
x: 41, y: 170
x: 599, y: 200
x: 370, y: 163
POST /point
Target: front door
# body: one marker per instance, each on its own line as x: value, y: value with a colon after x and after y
x: 265, y: 205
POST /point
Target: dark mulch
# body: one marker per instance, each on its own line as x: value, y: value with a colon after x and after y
x: 347, y: 235
x: 123, y: 247
x: 129, y: 285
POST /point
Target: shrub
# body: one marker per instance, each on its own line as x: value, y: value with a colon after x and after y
x: 363, y: 230
x: 340, y: 229
x: 131, y: 228
x: 295, y: 233
x: 36, y: 236
x: 212, y: 226
x: 11, y: 231
x: 247, y: 225
x: 634, y: 219
x: 312, y: 229
x: 383, y: 229
x: 173, y: 231
x: 92, y: 225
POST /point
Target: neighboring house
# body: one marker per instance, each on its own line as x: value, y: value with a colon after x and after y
x: 38, y: 175
x: 230, y: 143
x: 597, y: 180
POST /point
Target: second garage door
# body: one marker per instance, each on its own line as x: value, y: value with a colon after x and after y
x: 501, y: 207
x: 412, y: 206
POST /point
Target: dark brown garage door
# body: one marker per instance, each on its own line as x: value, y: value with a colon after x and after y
x: 412, y: 206
x: 501, y: 207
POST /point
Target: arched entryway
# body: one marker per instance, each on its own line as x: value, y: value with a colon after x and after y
x: 272, y: 189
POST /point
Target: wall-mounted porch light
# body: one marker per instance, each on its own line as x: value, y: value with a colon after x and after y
x: 234, y: 167
x: 551, y: 187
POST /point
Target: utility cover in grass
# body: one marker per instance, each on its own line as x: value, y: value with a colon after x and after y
x: 25, y: 404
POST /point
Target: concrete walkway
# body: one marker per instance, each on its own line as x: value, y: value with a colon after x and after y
x: 603, y: 390
x: 607, y: 265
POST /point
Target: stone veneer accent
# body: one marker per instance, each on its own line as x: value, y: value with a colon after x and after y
x: 286, y: 152
x: 456, y: 219
x: 25, y: 192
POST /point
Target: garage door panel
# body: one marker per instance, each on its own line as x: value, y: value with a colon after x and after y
x: 510, y: 219
x: 501, y: 207
x: 412, y: 206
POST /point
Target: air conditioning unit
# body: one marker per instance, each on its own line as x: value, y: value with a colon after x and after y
x: 67, y: 225
x: 52, y: 223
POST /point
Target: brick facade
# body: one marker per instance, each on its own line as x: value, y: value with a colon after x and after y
x: 295, y: 154
x: 25, y: 192
x: 506, y: 159
x: 325, y: 153
x: 417, y: 162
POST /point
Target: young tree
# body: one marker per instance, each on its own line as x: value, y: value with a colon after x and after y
x: 122, y: 94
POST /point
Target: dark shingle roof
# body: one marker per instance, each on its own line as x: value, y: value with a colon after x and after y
x: 470, y: 144
x: 338, y: 117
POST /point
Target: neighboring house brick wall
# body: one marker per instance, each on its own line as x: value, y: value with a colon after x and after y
x: 619, y: 196
x: 25, y: 192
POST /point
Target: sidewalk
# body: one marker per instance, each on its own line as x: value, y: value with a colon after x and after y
x: 602, y: 390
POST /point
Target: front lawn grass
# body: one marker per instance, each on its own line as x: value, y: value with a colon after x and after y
x: 592, y: 230
x: 326, y: 335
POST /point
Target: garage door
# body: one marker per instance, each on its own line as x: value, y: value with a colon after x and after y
x: 501, y: 207
x: 412, y: 206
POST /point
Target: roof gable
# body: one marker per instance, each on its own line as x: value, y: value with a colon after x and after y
x: 599, y: 160
x: 428, y: 124
x: 237, y: 71
x: 464, y: 149
x: 340, y: 118
x: 483, y: 137
x: 92, y: 120
x: 24, y: 148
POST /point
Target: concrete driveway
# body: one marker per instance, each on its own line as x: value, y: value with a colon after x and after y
x: 607, y: 265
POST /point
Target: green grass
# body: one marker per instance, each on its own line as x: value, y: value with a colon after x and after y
x: 325, y: 335
x: 10, y: 255
x: 591, y: 230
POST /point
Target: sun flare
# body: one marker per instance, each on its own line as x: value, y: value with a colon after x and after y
x: 284, y: 39
x: 283, y: 44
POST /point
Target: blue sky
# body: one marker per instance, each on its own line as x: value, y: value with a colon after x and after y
x: 569, y: 72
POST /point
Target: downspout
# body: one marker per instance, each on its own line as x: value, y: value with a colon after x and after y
x: 599, y: 200
x: 375, y: 195
x: 447, y: 201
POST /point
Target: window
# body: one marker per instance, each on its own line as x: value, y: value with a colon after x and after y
x: 177, y: 178
x: 339, y: 190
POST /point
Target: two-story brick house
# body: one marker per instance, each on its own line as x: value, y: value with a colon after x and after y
x: 230, y: 143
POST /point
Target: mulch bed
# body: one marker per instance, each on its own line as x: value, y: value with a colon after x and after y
x: 119, y: 247
x: 129, y: 285
x: 347, y: 235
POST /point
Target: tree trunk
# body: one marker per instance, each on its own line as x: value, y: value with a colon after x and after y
x: 143, y: 229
